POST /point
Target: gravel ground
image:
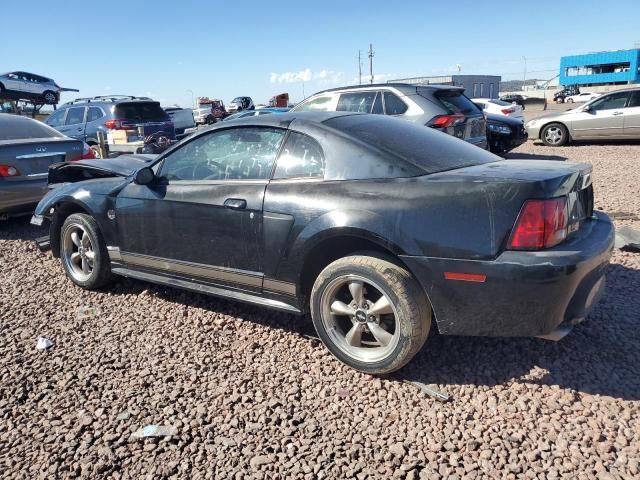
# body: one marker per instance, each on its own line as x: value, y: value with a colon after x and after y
x: 252, y: 393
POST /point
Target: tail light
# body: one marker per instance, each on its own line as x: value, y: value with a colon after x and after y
x: 443, y: 121
x: 540, y: 224
x: 87, y: 152
x: 9, y: 171
x: 115, y: 125
x: 507, y: 111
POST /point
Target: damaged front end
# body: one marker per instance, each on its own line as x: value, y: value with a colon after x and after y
x: 83, y: 187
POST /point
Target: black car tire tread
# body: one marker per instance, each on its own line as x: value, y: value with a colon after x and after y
x: 414, y: 309
x: 101, y: 274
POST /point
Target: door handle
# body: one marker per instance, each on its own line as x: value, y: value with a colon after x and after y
x: 235, y: 203
x: 615, y: 114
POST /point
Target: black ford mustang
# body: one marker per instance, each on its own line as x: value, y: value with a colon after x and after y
x: 372, y: 224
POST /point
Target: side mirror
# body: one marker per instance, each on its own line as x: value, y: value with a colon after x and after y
x: 586, y: 108
x: 144, y: 176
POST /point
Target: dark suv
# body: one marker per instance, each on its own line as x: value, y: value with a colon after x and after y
x: 442, y: 107
x: 83, y: 118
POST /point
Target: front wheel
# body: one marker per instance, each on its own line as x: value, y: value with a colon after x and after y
x: 370, y: 313
x: 83, y: 252
x: 555, y: 135
x: 569, y: 100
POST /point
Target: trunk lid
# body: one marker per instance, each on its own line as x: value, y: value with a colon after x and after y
x: 32, y: 157
x: 509, y: 183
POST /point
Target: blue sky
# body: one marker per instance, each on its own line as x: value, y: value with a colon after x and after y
x: 261, y: 48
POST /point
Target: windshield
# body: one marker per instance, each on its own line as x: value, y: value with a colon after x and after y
x: 237, y: 100
x: 423, y: 147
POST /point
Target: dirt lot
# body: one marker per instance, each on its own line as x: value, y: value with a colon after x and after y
x: 253, y: 394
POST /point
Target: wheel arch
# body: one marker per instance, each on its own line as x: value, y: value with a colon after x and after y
x: 62, y: 210
x: 329, y: 246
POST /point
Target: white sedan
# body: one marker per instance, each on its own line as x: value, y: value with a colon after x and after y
x: 498, y: 107
x: 581, y: 97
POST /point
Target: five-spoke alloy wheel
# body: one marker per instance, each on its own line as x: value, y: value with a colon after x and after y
x: 370, y: 313
x: 83, y: 252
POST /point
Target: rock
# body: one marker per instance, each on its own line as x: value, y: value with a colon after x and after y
x: 398, y: 450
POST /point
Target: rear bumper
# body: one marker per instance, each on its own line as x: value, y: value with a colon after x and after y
x: 524, y: 293
x: 18, y: 197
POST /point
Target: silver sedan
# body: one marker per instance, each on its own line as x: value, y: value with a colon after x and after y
x: 614, y: 116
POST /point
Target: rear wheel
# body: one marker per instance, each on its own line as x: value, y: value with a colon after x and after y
x: 554, y: 135
x: 370, y: 313
x: 83, y: 252
x: 50, y: 98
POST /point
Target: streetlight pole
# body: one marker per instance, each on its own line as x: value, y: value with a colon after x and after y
x: 371, y: 53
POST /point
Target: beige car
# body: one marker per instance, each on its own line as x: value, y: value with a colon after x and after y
x: 614, y: 116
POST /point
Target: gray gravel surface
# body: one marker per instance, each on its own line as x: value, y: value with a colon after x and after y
x: 252, y: 393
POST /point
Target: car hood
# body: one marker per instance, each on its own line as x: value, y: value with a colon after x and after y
x: 122, y: 166
x: 557, y: 115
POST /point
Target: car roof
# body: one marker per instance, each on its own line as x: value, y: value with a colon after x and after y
x: 282, y: 120
x: 397, y: 85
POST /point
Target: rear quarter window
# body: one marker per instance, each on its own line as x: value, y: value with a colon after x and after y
x: 428, y: 150
x: 455, y: 102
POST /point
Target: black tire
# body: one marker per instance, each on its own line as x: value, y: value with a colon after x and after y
x: 100, y: 268
x: 569, y: 100
x: 210, y: 120
x: 411, y: 313
x: 554, y: 135
x: 50, y: 98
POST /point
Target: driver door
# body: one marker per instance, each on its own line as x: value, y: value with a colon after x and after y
x: 202, y: 217
x: 603, y: 119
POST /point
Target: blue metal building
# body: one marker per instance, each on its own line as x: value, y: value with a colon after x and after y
x: 603, y: 68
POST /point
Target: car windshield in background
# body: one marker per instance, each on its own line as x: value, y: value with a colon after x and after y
x: 237, y: 100
x: 139, y: 111
x: 427, y: 149
x: 22, y: 128
x: 453, y: 100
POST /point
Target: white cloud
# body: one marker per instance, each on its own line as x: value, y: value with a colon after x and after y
x: 291, y: 77
x: 307, y: 75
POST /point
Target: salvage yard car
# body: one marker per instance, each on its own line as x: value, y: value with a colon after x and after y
x: 614, y: 116
x: 29, y: 86
x: 27, y: 148
x: 373, y: 224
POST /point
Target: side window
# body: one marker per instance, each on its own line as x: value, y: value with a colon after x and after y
x: 635, y: 99
x: 56, y: 118
x: 393, y: 105
x: 320, y: 104
x: 301, y: 157
x: 231, y: 154
x: 75, y: 115
x: 377, y: 105
x: 610, y: 102
x: 356, y: 102
x: 94, y: 113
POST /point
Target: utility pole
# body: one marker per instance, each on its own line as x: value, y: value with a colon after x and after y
x: 524, y: 75
x: 359, y: 69
x: 371, y: 53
